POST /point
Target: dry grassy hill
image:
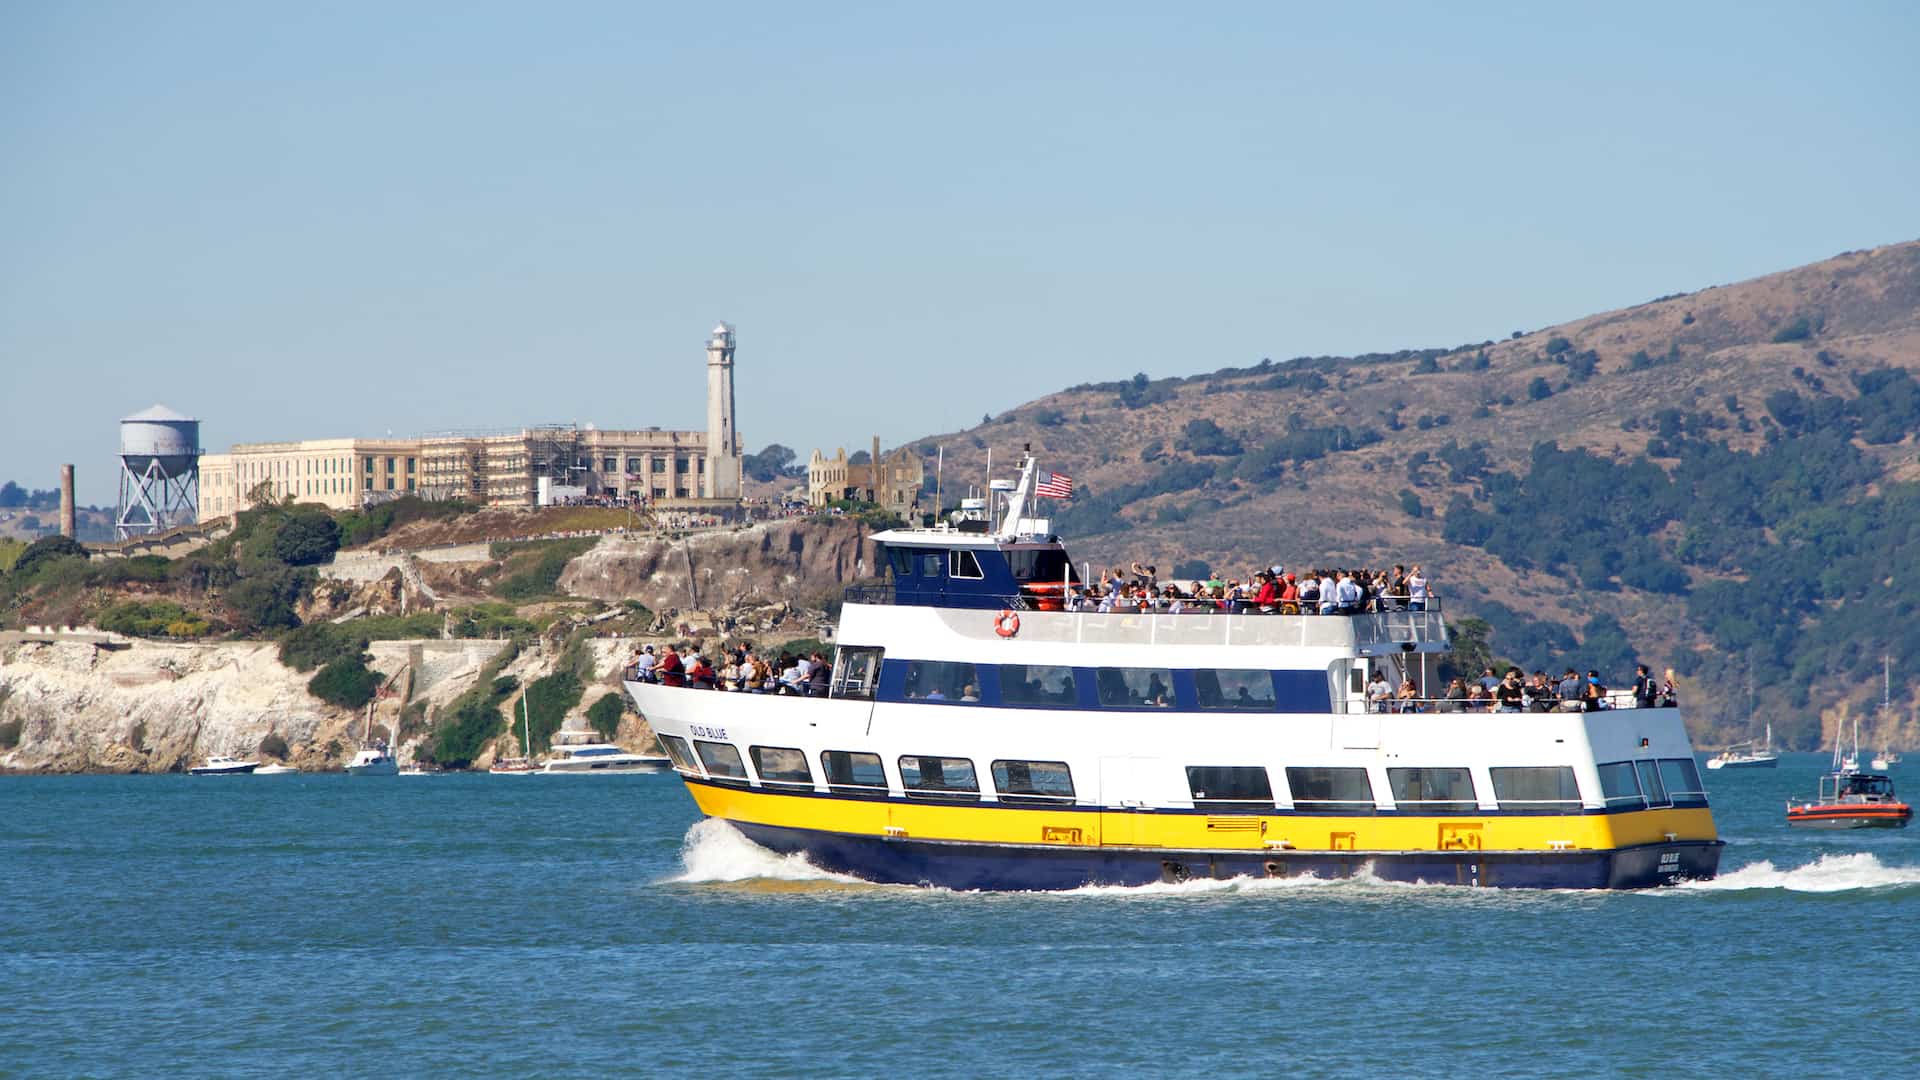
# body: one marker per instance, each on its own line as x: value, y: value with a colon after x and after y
x: 1233, y: 500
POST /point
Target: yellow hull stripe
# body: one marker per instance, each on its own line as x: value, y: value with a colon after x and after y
x: 991, y: 823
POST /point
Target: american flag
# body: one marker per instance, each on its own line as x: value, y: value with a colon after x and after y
x: 1055, y: 486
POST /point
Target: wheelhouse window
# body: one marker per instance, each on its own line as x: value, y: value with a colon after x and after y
x: 931, y: 565
x: 1651, y: 784
x: 1682, y: 779
x: 721, y: 759
x: 851, y: 772
x: 901, y: 559
x: 962, y: 564
x: 1234, y: 688
x: 678, y: 751
x: 1436, y: 791
x: 1134, y: 688
x: 1618, y: 784
x: 1536, y: 789
x: 1230, y: 787
x: 926, y: 777
x: 940, y: 680
x: 1037, y: 684
x: 855, y: 673
x: 1039, y: 564
x: 1331, y: 790
x: 1033, y: 781
x: 781, y: 765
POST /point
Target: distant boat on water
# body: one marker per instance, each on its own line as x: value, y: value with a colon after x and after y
x: 223, y: 765
x: 274, y: 768
x: 1746, y: 755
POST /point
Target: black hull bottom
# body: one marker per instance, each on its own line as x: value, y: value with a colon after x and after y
x: 1006, y: 867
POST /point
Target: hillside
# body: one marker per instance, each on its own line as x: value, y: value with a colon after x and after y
x: 1696, y: 480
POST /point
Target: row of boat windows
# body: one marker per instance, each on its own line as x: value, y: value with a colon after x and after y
x: 1333, y: 789
x: 1048, y: 686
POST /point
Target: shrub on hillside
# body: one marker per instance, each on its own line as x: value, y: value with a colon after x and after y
x: 348, y: 683
x: 152, y: 618
x: 606, y: 713
x: 309, y: 535
x: 538, y: 575
x: 318, y: 644
x: 264, y: 600
x: 45, y: 551
x: 547, y: 702
x: 1204, y: 438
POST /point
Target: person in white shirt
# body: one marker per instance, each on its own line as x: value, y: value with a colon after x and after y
x: 1329, y: 603
x: 1347, y: 593
x: 643, y: 665
x: 1416, y: 590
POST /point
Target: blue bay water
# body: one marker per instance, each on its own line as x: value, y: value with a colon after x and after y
x: 532, y: 926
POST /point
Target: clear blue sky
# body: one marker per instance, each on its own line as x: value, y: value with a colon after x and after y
x: 303, y: 221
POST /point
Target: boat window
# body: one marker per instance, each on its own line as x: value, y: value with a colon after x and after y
x: 1036, y: 684
x: 1234, y: 688
x: 1650, y: 783
x: 940, y: 680
x: 721, y: 759
x: 1682, y: 778
x: 1039, y: 564
x: 856, y: 671
x: 677, y: 749
x: 1439, y: 791
x: 1033, y: 781
x: 1134, y: 688
x: 850, y: 772
x: 930, y: 565
x: 901, y: 559
x: 962, y: 564
x: 1330, y: 790
x: 1230, y: 787
x: 1618, y: 785
x: 1536, y: 788
x: 781, y: 765
x: 938, y: 777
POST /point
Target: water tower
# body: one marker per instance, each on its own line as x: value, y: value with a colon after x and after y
x: 159, y: 472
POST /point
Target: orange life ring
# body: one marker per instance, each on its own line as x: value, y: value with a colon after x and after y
x: 1007, y: 623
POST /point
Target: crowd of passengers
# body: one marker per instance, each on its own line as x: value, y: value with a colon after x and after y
x: 741, y: 668
x: 1273, y: 591
x: 1516, y: 691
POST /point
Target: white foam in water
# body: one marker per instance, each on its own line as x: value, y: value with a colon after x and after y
x: 715, y: 851
x: 1826, y: 874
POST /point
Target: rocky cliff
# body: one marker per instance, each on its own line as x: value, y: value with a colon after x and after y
x: 797, y: 561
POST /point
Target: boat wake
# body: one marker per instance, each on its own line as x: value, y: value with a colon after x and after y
x: 1826, y: 874
x: 716, y: 852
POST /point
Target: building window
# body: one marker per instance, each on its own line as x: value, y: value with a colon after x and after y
x: 850, y: 772
x: 938, y: 777
x: 1234, y: 688
x: 680, y: 492
x: 659, y: 464
x: 1037, y: 684
x: 939, y: 680
x: 369, y: 462
x: 1230, y: 787
x: 409, y: 464
x: 609, y: 465
x: 682, y: 465
x: 633, y: 464
x: 1134, y: 688
x: 1331, y: 790
x: 390, y: 464
x: 1033, y: 781
x: 781, y: 765
x: 1434, y: 791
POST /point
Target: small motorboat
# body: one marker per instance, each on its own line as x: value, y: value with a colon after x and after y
x: 513, y: 766
x: 274, y: 768
x: 223, y: 765
x: 1851, y: 800
x: 1884, y: 760
x: 415, y: 770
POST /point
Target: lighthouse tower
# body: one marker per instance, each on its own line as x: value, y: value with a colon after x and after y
x: 723, y: 442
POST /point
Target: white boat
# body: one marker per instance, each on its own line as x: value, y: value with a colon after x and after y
x: 374, y: 758
x: 415, y: 770
x: 983, y: 731
x: 274, y: 768
x: 1745, y: 755
x: 584, y: 753
x: 1887, y: 758
x: 223, y: 765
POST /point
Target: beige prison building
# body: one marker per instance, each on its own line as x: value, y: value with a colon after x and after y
x: 494, y: 468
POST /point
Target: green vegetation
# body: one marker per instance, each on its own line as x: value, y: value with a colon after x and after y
x: 365, y: 526
x: 1798, y: 545
x: 44, y: 552
x: 473, y: 719
x: 547, y: 703
x: 533, y: 568
x: 346, y: 682
x: 605, y: 714
x: 490, y: 620
x: 1204, y: 438
x: 10, y: 550
x: 307, y: 536
x: 152, y: 618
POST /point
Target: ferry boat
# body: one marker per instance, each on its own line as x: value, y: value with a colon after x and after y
x: 978, y: 733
